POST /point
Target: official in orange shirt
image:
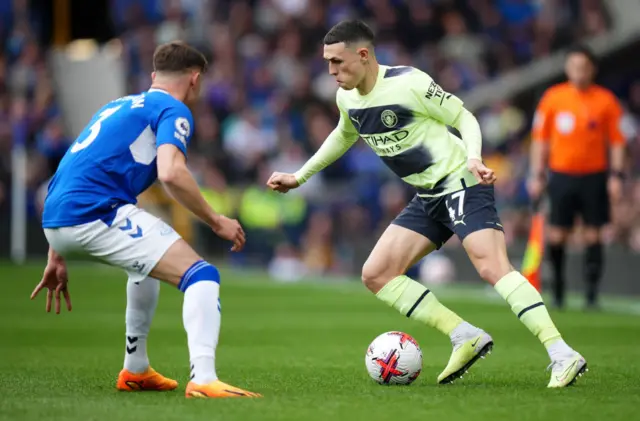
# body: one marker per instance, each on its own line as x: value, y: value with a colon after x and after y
x: 577, y: 155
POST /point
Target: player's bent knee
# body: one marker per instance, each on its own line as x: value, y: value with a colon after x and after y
x: 176, y: 261
x: 395, y: 252
x: 200, y: 271
x: 488, y: 253
x: 493, y: 267
x: 369, y: 275
x: 375, y: 276
x: 492, y: 274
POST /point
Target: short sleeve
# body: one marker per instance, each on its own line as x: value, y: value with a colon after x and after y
x: 435, y: 101
x: 543, y: 119
x: 614, y: 122
x: 175, y: 127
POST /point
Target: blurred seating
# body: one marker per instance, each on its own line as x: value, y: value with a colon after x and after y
x: 268, y: 103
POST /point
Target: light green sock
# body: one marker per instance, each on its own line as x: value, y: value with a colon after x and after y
x: 527, y: 304
x: 418, y: 303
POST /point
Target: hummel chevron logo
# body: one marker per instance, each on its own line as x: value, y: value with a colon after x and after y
x: 132, y: 340
x: 128, y: 226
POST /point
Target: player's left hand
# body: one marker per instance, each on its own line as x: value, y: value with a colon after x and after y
x: 483, y: 174
x: 55, y: 278
x: 614, y: 187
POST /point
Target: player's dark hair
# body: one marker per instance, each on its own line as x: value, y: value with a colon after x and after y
x: 349, y: 31
x: 585, y: 51
x: 177, y: 56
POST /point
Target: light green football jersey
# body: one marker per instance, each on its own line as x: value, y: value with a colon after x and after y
x: 404, y: 120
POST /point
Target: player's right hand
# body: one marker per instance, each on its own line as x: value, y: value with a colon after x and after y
x: 282, y: 182
x: 231, y: 230
x: 55, y: 279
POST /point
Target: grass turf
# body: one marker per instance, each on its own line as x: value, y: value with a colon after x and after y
x: 302, y: 346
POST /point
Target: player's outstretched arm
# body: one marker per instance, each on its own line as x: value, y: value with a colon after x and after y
x: 336, y: 145
x: 180, y: 184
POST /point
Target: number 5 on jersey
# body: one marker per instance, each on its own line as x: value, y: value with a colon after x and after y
x: 94, y: 130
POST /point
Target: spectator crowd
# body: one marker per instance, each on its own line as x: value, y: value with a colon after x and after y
x: 268, y: 104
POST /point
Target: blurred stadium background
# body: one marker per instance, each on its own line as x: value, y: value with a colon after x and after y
x: 268, y: 103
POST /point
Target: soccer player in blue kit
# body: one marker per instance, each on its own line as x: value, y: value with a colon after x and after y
x: 91, y: 208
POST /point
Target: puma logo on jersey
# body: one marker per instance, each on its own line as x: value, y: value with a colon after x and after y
x: 356, y: 119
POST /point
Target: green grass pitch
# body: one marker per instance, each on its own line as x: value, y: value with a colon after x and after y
x: 303, y: 347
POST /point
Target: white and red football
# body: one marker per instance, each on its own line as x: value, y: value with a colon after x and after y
x: 394, y: 358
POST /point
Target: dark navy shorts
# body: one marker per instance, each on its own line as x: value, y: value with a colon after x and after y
x: 584, y: 195
x: 462, y: 213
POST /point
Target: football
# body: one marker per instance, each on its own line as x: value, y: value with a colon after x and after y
x: 394, y: 358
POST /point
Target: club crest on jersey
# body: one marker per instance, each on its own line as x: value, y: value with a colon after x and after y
x: 389, y: 119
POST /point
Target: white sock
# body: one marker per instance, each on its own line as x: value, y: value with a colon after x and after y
x: 559, y: 349
x: 462, y: 332
x: 142, y: 299
x: 201, y: 317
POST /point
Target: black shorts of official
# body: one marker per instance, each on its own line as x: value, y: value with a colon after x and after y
x: 573, y: 195
x: 462, y: 212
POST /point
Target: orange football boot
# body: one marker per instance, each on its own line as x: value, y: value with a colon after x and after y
x: 217, y: 389
x: 149, y: 380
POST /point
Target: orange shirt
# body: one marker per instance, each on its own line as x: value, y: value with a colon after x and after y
x: 579, y: 126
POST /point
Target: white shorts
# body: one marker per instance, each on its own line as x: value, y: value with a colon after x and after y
x: 135, y: 241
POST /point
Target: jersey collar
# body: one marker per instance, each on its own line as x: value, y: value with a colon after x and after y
x: 158, y: 90
x: 380, y: 76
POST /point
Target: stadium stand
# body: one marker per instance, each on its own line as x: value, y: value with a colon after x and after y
x: 268, y: 104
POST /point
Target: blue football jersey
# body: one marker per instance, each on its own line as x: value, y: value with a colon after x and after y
x: 113, y: 160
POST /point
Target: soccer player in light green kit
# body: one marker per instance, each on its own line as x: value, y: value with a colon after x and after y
x: 402, y: 114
